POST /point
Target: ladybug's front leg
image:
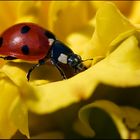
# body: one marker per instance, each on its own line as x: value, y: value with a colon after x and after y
x: 8, y: 57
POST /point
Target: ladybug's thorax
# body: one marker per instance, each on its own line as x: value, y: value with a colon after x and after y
x: 60, y: 53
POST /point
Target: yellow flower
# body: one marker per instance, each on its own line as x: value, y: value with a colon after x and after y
x: 92, y: 29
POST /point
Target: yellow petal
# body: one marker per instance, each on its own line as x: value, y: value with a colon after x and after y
x: 120, y: 68
x: 51, y: 97
x: 83, y: 130
x: 7, y: 96
x: 38, y: 93
x: 110, y: 24
x: 132, y: 121
x: 17, y: 72
x: 102, y: 112
x: 125, y: 6
x: 49, y: 135
x: 78, y: 39
x: 7, y: 17
x: 19, y: 116
x: 100, y: 116
x: 64, y: 17
x: 28, y: 11
x: 134, y: 15
x: 33, y: 11
x: 17, y: 75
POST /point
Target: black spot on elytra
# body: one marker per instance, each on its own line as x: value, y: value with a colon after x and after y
x: 1, y: 41
x: 50, y: 35
x: 25, y: 49
x: 25, y: 29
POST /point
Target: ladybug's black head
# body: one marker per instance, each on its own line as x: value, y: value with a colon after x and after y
x: 75, y: 61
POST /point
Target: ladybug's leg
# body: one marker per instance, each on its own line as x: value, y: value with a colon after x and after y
x: 61, y: 71
x: 59, y: 68
x: 41, y: 62
x: 30, y: 70
x: 8, y: 57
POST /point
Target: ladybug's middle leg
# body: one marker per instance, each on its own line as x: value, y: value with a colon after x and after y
x: 61, y: 71
x: 59, y: 68
x: 8, y: 57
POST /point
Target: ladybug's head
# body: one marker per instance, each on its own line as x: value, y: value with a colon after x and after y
x: 75, y: 61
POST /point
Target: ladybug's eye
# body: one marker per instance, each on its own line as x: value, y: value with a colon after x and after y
x: 49, y: 35
x: 74, y: 60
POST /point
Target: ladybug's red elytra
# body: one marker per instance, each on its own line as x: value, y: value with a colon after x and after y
x: 29, y: 41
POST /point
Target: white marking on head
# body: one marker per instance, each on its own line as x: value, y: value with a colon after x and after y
x: 63, y: 58
x: 51, y: 41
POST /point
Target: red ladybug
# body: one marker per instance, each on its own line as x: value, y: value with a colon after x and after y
x: 29, y: 41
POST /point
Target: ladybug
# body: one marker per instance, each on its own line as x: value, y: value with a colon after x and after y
x: 29, y: 41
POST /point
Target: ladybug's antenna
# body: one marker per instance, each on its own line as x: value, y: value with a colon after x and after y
x: 87, y: 59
